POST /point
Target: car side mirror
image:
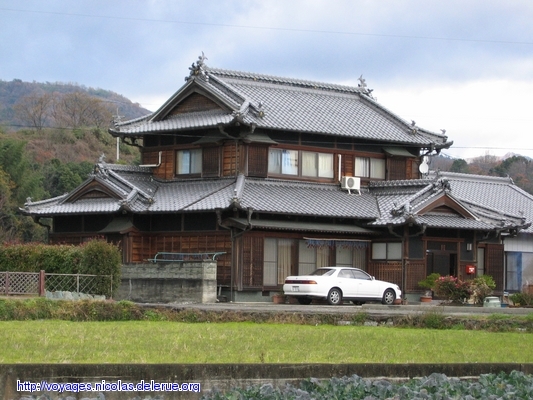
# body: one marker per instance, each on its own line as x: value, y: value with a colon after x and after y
x: 373, y: 277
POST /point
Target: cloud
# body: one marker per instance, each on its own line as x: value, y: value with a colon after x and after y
x: 426, y: 60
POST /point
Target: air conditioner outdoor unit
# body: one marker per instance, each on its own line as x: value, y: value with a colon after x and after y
x: 351, y: 183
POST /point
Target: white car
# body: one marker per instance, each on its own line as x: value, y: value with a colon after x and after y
x: 336, y: 284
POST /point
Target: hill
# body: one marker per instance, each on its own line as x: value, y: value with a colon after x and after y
x: 13, y: 92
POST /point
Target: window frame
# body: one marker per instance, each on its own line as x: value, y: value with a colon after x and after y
x: 198, y: 162
x: 369, y: 167
x: 328, y: 175
x: 388, y: 248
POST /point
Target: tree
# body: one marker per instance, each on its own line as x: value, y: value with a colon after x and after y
x: 460, y: 166
x: 34, y: 109
x: 61, y: 178
x: 78, y: 109
x: 26, y: 179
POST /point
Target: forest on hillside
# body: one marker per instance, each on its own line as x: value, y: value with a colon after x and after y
x: 52, y: 134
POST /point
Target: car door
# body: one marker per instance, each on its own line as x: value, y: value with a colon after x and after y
x: 347, y: 282
x: 366, y: 286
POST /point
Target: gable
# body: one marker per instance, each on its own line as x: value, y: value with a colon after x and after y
x: 93, y: 190
x: 195, y: 102
x: 444, y: 204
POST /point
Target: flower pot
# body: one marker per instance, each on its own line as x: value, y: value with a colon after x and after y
x: 397, y: 301
x: 425, y: 299
x: 278, y: 299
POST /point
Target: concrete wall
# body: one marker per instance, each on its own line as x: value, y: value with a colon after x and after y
x: 181, y: 282
x: 222, y: 376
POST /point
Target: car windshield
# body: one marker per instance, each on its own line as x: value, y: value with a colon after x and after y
x: 323, y: 271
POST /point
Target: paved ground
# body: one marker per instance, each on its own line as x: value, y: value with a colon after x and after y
x: 349, y: 308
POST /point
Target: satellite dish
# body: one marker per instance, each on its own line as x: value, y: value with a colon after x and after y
x: 424, y: 167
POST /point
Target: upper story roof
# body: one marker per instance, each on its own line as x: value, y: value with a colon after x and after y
x: 276, y: 103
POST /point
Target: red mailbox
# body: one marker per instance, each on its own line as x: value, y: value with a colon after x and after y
x: 470, y: 269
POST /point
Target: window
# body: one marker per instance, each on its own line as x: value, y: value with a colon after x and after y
x: 317, y: 164
x: 305, y: 163
x: 283, y: 162
x: 351, y: 257
x: 387, y: 251
x: 366, y: 167
x: 277, y: 261
x: 311, y: 258
x: 189, y: 162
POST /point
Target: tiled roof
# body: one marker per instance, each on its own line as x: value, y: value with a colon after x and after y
x: 297, y: 198
x: 480, y: 196
x: 196, y: 120
x: 499, y: 195
x: 489, y: 203
x: 284, y: 104
x: 141, y: 193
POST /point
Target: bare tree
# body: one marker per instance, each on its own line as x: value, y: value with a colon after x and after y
x: 34, y: 109
x: 78, y: 109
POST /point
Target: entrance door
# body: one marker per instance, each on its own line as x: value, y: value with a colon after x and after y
x: 442, y: 262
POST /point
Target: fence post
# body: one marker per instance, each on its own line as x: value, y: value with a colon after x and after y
x: 78, y: 283
x: 42, y: 278
x: 7, y: 283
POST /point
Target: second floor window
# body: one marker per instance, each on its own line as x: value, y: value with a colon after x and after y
x: 283, y: 162
x: 189, y: 162
x: 300, y: 163
x: 317, y: 164
x: 366, y: 167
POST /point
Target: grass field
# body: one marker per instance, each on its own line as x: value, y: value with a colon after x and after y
x: 53, y: 341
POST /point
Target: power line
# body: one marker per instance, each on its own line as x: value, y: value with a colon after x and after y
x: 269, y: 28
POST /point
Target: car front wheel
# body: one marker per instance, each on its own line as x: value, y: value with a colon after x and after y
x: 335, y: 297
x: 388, y: 297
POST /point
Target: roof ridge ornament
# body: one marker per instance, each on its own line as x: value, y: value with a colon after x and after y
x: 198, y: 68
x: 364, y: 88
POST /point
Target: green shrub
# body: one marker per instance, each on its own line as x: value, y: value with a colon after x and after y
x: 524, y: 299
x: 96, y: 257
x: 482, y: 286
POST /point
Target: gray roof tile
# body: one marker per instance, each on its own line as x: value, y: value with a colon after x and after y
x: 288, y: 104
x: 287, y: 197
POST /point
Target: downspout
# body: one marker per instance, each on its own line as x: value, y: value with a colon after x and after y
x: 233, y: 236
x: 153, y: 165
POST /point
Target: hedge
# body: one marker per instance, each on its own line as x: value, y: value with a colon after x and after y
x: 96, y: 257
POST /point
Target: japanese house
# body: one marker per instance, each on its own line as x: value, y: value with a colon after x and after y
x: 284, y: 176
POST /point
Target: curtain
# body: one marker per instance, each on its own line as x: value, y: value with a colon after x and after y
x: 322, y: 257
x: 289, y: 164
x: 270, y: 265
x: 284, y: 259
x: 309, y: 167
x: 306, y: 258
x: 274, y: 161
x: 325, y: 165
x: 377, y: 168
x: 361, y: 167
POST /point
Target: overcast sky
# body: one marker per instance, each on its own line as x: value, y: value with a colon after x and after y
x: 461, y: 65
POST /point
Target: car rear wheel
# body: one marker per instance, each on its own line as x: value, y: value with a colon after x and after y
x: 304, y: 300
x: 388, y: 297
x: 335, y: 297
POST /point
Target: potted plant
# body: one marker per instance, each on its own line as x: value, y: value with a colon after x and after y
x: 428, y: 283
x: 279, y: 298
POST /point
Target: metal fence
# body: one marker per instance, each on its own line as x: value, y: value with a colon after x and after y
x: 36, y: 283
